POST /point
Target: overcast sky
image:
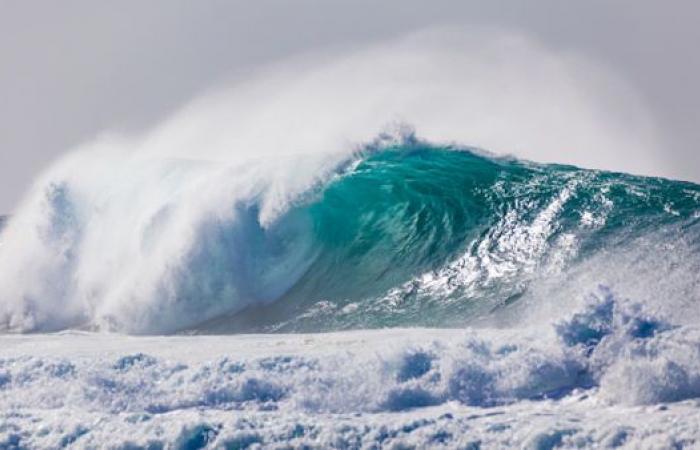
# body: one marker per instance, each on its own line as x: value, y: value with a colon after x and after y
x: 71, y: 69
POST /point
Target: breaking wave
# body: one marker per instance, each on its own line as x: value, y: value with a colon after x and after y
x: 401, y: 233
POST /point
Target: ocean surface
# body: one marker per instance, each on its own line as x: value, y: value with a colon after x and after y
x: 407, y: 295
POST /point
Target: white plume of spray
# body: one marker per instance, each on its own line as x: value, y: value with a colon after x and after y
x: 123, y: 234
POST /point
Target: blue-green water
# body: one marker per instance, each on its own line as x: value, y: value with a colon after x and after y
x: 418, y: 235
x: 407, y: 234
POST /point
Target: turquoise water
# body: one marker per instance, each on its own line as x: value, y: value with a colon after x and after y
x: 419, y: 235
x: 396, y: 235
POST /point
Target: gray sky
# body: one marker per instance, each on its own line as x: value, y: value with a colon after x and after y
x: 71, y: 69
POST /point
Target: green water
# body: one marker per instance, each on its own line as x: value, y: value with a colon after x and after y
x: 417, y: 235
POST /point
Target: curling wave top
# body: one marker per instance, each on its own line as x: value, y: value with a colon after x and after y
x: 403, y: 233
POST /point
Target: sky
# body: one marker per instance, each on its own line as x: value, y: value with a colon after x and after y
x: 70, y: 70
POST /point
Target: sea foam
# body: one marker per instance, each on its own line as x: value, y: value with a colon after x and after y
x: 606, y: 362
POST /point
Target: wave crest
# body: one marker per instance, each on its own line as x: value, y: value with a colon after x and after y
x: 402, y: 233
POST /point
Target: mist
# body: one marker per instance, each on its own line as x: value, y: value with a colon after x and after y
x: 76, y: 70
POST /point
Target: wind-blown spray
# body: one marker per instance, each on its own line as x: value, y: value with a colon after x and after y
x: 217, y: 209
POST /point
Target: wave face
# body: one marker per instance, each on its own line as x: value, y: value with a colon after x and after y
x: 400, y: 234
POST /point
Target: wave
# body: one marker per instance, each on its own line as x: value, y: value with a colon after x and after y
x: 401, y: 233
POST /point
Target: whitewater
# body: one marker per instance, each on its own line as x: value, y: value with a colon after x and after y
x: 324, y: 256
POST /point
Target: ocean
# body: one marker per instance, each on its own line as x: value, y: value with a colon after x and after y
x: 405, y: 295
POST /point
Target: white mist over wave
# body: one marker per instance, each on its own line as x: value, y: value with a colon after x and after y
x: 107, y: 236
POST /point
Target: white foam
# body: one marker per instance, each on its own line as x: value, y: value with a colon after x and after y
x: 602, y: 375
